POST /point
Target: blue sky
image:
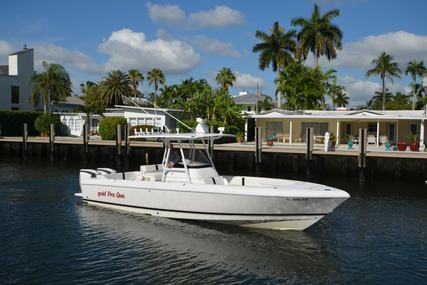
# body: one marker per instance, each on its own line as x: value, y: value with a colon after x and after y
x: 197, y: 38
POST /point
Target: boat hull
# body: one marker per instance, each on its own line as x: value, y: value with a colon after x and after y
x: 243, y: 206
x: 282, y: 222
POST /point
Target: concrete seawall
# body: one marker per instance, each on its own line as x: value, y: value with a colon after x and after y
x: 232, y: 160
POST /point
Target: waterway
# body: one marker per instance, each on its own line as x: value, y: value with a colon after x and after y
x: 378, y: 236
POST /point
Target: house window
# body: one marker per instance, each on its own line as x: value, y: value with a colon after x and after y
x: 413, y: 129
x: 14, y: 94
x: 372, y: 128
x: 15, y: 108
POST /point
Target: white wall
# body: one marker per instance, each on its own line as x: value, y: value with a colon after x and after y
x: 21, y: 69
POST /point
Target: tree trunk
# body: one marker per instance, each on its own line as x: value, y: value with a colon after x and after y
x: 383, y: 93
x: 414, y: 97
x: 48, y: 102
x: 279, y: 94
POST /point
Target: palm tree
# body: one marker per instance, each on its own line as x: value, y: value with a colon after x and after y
x: 385, y: 67
x: 415, y: 68
x: 225, y: 78
x: 318, y: 35
x: 275, y: 49
x: 135, y: 77
x: 113, y: 87
x: 377, y: 100
x: 341, y: 99
x: 54, y: 83
x: 155, y: 78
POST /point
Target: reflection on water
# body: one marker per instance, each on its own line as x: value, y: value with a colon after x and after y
x: 47, y: 236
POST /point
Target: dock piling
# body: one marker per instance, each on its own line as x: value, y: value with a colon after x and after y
x: 258, y: 145
x: 85, y: 141
x: 361, y: 161
x: 309, y: 151
x: 118, y: 140
x: 51, y: 141
x: 309, y: 144
x: 24, y: 140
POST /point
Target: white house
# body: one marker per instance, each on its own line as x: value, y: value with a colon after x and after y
x: 383, y: 126
x: 134, y: 115
x: 15, y: 86
x: 146, y: 116
x: 75, y: 121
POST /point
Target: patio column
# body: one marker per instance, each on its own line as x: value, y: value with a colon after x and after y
x: 422, y: 133
x: 378, y: 133
x: 290, y: 131
x: 397, y: 132
x: 338, y: 132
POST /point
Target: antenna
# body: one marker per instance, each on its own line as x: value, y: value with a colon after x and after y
x: 157, y: 107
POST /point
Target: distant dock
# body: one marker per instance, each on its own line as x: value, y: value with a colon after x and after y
x: 276, y: 159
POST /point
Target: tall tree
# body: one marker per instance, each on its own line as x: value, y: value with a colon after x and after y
x: 53, y: 83
x: 415, y: 69
x: 276, y: 49
x: 318, y: 35
x: 113, y: 87
x: 135, y: 77
x: 155, y: 78
x: 385, y: 67
x: 225, y: 78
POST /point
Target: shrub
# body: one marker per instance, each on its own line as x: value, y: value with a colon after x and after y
x: 42, y: 123
x: 12, y: 122
x: 138, y: 127
x: 107, y: 127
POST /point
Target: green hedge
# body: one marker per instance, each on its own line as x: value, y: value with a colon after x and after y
x: 107, y: 127
x: 12, y: 122
x: 42, y: 123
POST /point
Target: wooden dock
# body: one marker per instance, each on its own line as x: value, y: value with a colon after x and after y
x: 234, y: 147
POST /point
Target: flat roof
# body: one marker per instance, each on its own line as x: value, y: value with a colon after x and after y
x: 343, y: 115
x: 145, y: 108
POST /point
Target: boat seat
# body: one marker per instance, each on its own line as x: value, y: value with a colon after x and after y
x: 151, y: 168
x: 152, y: 176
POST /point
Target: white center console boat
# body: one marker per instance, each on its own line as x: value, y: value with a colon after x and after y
x: 192, y: 189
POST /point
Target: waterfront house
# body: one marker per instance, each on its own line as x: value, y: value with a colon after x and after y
x: 383, y: 126
x: 137, y: 116
x: 74, y: 122
x: 15, y: 86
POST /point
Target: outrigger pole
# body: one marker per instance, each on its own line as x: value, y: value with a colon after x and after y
x: 157, y: 107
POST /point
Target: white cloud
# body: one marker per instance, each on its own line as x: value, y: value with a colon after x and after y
x: 403, y: 46
x: 215, y: 46
x: 171, y: 14
x: 68, y: 58
x: 246, y: 80
x: 220, y: 16
x: 163, y: 34
x: 5, y: 49
x: 361, y: 91
x: 128, y: 49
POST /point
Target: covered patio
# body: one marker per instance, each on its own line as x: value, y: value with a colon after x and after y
x: 384, y: 127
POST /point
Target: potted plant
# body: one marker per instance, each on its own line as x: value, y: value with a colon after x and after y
x: 414, y: 146
x: 349, y: 142
x: 401, y: 146
x: 240, y: 137
x: 270, y: 141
